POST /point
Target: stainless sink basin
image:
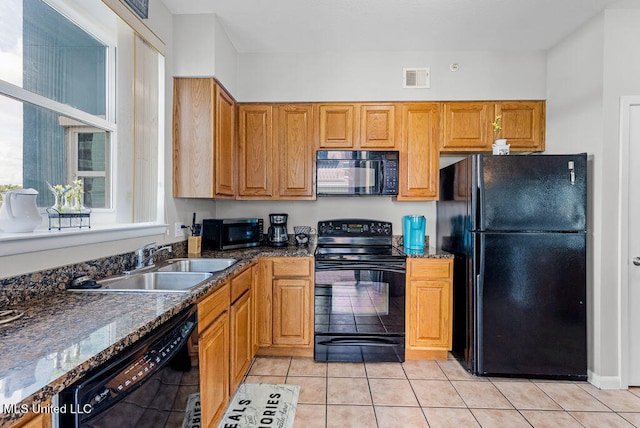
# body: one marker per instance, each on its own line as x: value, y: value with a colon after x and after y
x: 155, y: 281
x: 197, y: 265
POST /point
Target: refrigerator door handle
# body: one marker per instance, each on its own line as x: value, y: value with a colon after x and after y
x: 572, y: 172
x: 478, y: 187
x: 477, y: 305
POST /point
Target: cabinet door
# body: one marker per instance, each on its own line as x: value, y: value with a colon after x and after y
x: 295, y: 148
x: 430, y: 315
x: 523, y: 124
x: 225, y: 144
x: 467, y: 126
x: 337, y: 126
x: 255, y: 150
x: 429, y: 308
x: 255, y: 306
x: 263, y: 303
x: 213, y: 347
x: 241, y: 340
x: 193, y: 101
x: 292, y: 311
x: 35, y: 420
x: 378, y: 126
x: 419, y: 158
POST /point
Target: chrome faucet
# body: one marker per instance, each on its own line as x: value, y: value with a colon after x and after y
x: 143, y: 260
x: 140, y: 254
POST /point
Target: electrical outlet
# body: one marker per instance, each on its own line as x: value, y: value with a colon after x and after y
x: 178, y: 230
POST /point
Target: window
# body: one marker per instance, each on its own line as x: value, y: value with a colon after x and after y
x: 59, y: 101
x: 58, y: 73
x: 89, y: 160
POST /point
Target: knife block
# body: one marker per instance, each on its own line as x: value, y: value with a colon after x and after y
x: 194, y: 246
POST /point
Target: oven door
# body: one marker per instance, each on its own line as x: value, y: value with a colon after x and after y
x: 359, y: 310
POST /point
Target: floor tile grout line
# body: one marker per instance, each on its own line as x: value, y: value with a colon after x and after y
x: 326, y: 399
x: 602, y: 402
x: 450, y: 380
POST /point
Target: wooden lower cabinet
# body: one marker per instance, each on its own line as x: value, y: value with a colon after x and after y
x: 292, y: 306
x: 225, y: 342
x: 214, y: 370
x: 284, y: 302
x: 241, y: 339
x: 35, y: 420
x: 213, y: 351
x: 429, y: 308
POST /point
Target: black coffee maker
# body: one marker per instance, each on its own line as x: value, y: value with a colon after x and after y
x: 277, y: 235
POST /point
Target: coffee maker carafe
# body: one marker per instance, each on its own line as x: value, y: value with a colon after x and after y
x: 277, y: 235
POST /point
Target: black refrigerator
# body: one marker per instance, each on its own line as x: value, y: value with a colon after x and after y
x: 517, y: 227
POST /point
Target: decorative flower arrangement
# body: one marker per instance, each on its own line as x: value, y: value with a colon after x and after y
x: 68, y: 198
x: 497, y: 125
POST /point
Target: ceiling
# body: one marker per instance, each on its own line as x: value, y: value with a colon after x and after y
x: 277, y: 26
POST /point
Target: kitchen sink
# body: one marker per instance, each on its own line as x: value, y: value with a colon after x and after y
x: 154, y: 281
x: 197, y: 265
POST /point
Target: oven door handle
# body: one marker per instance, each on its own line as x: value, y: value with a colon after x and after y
x: 358, y: 341
x: 387, y: 266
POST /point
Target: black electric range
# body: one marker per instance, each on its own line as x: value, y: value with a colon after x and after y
x: 359, y: 292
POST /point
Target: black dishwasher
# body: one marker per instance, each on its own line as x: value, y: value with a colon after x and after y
x: 145, y: 386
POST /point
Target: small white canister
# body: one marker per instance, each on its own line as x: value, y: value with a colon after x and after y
x: 500, y: 147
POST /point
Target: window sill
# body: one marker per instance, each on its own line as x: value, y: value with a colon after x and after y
x: 41, y: 240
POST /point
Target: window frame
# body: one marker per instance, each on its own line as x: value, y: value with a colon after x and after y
x: 112, y: 229
x: 72, y: 133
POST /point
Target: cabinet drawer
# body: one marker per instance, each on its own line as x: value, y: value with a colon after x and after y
x: 292, y: 266
x: 429, y: 269
x: 240, y: 283
x: 212, y: 306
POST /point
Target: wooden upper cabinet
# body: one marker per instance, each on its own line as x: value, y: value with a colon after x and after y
x: 204, y: 151
x: 255, y: 150
x: 467, y: 126
x: 419, y: 159
x: 378, y: 127
x: 295, y: 151
x: 356, y: 126
x: 225, y: 144
x: 337, y: 126
x: 523, y: 124
x: 193, y: 101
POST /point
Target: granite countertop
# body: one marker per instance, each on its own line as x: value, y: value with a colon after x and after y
x: 64, y: 335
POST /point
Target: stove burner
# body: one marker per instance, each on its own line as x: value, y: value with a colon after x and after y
x: 10, y: 315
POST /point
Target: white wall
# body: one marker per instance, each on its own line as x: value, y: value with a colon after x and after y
x: 204, y: 49
x: 587, y: 73
x: 377, y: 76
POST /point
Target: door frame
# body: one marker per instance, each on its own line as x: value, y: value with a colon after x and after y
x: 626, y: 102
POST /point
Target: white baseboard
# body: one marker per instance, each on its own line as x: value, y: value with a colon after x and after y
x: 604, y: 382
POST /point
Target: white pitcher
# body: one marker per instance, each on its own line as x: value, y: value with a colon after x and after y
x: 19, y: 212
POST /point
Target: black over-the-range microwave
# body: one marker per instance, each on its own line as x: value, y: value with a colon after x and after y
x: 231, y: 233
x: 356, y: 173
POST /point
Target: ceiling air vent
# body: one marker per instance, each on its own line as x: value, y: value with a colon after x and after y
x: 416, y: 78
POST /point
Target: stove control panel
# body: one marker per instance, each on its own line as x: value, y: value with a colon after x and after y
x: 354, y: 228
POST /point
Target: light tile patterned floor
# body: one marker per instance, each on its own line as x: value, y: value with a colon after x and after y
x: 439, y: 394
